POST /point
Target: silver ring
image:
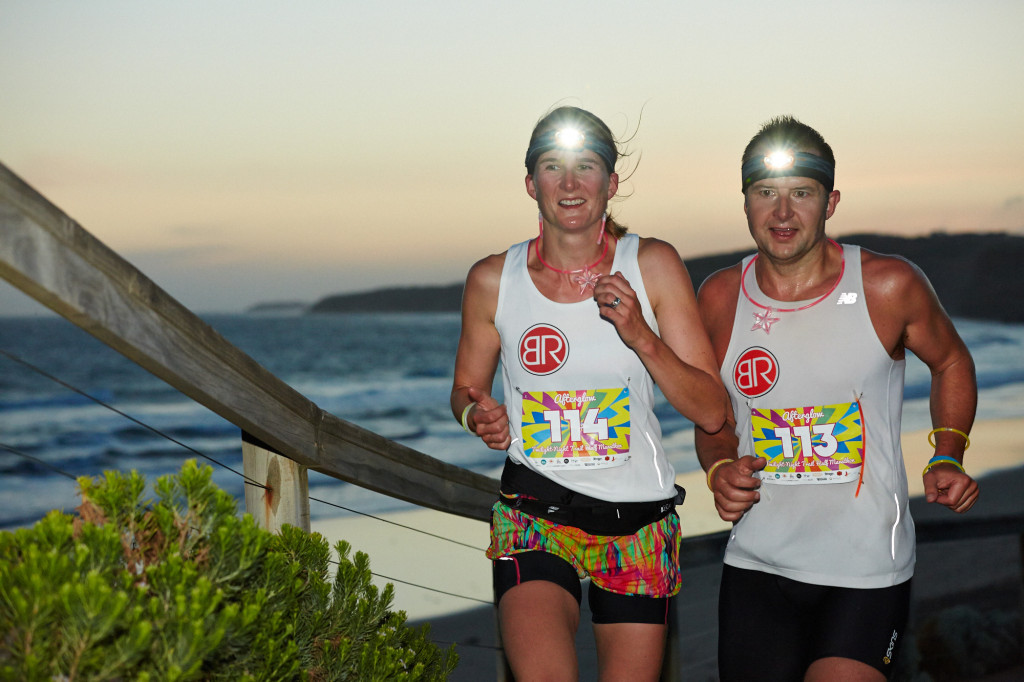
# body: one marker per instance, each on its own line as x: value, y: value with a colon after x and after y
x: 615, y: 303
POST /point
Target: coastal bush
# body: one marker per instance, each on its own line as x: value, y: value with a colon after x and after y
x: 183, y: 588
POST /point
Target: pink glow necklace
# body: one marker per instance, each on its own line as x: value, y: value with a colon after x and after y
x: 764, y: 320
x: 583, y: 276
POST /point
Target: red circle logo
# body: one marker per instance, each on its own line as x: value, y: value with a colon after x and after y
x: 543, y: 349
x: 755, y: 372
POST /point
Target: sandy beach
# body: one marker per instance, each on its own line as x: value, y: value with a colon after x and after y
x: 398, y: 554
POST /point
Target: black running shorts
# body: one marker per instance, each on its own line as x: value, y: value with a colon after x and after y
x: 772, y: 628
x: 605, y: 606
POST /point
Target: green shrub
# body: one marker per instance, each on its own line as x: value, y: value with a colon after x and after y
x: 182, y: 588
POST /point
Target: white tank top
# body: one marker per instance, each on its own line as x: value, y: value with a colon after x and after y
x: 815, y: 392
x: 579, y: 400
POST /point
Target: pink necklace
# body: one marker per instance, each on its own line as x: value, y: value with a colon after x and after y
x: 764, y: 320
x: 583, y: 276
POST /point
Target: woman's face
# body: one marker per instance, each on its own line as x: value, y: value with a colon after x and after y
x: 571, y: 188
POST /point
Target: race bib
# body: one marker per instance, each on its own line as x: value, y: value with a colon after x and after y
x: 573, y: 429
x: 820, y: 444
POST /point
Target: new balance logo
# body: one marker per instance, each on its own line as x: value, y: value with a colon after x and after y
x: 847, y: 298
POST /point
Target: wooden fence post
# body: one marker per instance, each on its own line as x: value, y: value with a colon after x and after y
x: 285, y: 499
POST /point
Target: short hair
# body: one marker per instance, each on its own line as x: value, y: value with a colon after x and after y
x: 787, y: 131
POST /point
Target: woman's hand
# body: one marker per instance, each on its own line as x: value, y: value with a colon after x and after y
x: 488, y: 419
x: 617, y: 303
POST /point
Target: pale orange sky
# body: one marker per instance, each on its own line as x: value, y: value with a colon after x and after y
x: 240, y: 152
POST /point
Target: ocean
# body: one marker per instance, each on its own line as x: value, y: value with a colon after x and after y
x: 390, y: 373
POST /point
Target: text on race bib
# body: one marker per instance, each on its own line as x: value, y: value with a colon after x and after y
x: 581, y: 428
x: 820, y: 444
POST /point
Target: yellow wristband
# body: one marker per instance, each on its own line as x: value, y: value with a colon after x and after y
x: 465, y: 418
x: 947, y: 428
x: 714, y: 467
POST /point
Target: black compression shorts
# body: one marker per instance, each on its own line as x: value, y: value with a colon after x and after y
x: 605, y: 606
x: 772, y: 628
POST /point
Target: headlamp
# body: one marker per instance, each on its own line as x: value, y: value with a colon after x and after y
x: 570, y: 138
x: 778, y: 161
x: 573, y: 140
x: 784, y: 163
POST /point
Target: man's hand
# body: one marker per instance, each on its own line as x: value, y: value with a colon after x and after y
x: 950, y: 487
x: 735, y: 488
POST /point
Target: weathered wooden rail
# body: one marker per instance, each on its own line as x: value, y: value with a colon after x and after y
x: 53, y: 259
x: 50, y: 257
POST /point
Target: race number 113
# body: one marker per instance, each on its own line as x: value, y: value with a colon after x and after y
x: 828, y: 445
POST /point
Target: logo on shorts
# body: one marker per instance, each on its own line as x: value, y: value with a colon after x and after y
x: 887, y: 659
x: 755, y: 372
x: 543, y: 349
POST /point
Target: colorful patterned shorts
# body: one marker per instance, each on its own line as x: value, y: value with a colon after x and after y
x: 646, y: 563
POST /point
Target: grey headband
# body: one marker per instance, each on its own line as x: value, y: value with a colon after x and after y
x: 800, y: 164
x: 570, y: 139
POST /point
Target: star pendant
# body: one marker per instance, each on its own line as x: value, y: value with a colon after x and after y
x: 585, y: 279
x: 764, y: 320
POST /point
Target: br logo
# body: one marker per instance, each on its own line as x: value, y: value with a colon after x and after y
x: 755, y: 373
x: 543, y: 349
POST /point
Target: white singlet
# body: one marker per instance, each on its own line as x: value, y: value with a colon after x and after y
x: 815, y: 392
x: 579, y: 400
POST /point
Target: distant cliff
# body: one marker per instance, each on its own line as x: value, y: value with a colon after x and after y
x: 975, y: 275
x: 397, y: 300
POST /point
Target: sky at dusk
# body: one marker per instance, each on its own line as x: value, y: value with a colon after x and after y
x: 242, y: 152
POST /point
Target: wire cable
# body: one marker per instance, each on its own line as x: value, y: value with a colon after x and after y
x: 18, y: 452
x: 400, y: 525
x: 432, y: 589
x: 247, y: 480
x: 130, y: 418
x: 57, y: 470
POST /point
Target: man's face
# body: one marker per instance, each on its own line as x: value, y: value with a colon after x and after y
x: 786, y: 215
